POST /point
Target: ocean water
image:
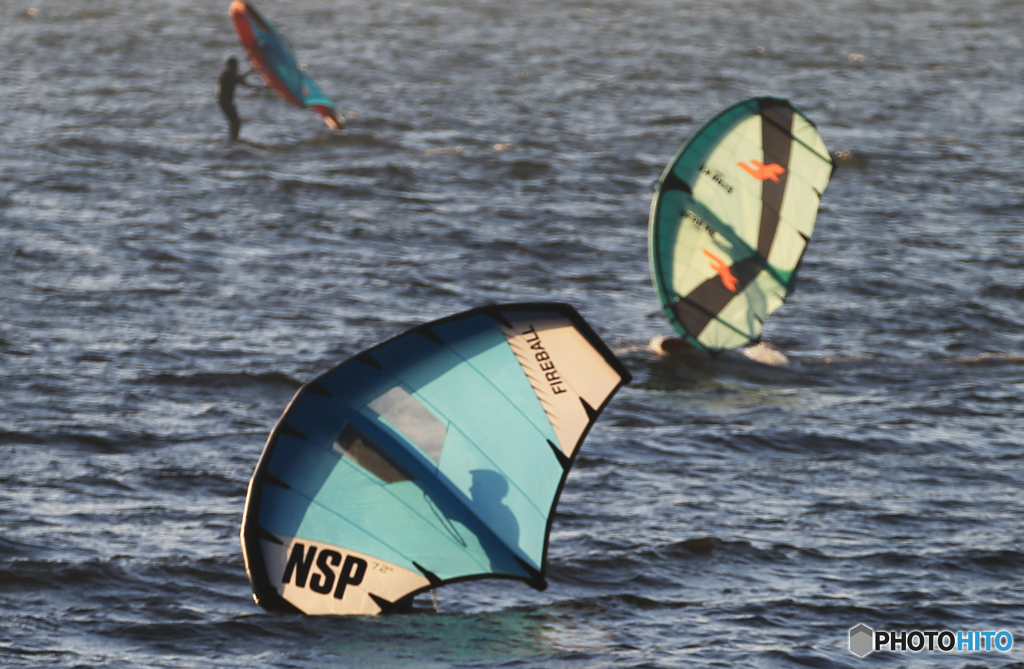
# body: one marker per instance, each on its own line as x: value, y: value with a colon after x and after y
x: 163, y: 293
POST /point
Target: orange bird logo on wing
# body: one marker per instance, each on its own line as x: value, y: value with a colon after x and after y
x: 760, y: 171
x: 723, y: 270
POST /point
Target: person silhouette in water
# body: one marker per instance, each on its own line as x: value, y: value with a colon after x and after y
x: 229, y: 79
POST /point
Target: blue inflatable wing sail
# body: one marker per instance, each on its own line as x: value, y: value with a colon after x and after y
x: 435, y: 457
x: 274, y: 59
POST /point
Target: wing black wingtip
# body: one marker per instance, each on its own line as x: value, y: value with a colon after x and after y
x: 317, y: 388
x: 426, y: 331
x: 401, y: 605
x: 368, y: 359
x: 273, y: 480
x: 431, y: 576
x: 287, y: 430
x: 537, y: 580
x: 562, y: 460
x: 500, y: 318
x: 673, y: 182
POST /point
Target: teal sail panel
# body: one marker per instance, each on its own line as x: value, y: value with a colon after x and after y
x: 274, y: 59
x: 731, y: 218
x: 437, y: 456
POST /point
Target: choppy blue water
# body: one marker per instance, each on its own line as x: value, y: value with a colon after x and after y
x: 164, y: 293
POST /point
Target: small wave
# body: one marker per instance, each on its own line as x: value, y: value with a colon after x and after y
x: 225, y: 380
x: 94, y: 443
x: 670, y: 120
x: 346, y: 137
x: 18, y: 437
x: 615, y: 562
x: 94, y: 484
x: 12, y: 548
x: 992, y: 359
x: 159, y: 255
x: 1004, y: 291
x: 628, y: 602
x: 294, y: 186
x: 994, y: 562
x: 125, y: 576
x: 104, y: 442
x: 91, y: 356
x: 193, y: 482
x: 444, y: 150
x: 14, y: 651
x: 701, y: 546
x: 523, y: 170
x: 33, y: 574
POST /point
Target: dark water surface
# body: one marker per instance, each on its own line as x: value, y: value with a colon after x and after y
x: 164, y: 293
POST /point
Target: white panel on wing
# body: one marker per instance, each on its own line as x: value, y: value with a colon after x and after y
x: 319, y: 578
x: 563, y: 368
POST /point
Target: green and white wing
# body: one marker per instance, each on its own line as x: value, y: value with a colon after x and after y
x: 731, y: 218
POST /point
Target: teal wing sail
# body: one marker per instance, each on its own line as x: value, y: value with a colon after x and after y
x: 731, y: 219
x: 312, y: 96
x: 435, y: 457
x: 272, y: 56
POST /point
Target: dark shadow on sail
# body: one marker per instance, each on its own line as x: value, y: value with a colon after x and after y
x: 487, y: 492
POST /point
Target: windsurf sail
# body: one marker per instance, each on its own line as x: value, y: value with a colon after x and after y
x: 437, y: 456
x: 274, y: 60
x: 731, y: 218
